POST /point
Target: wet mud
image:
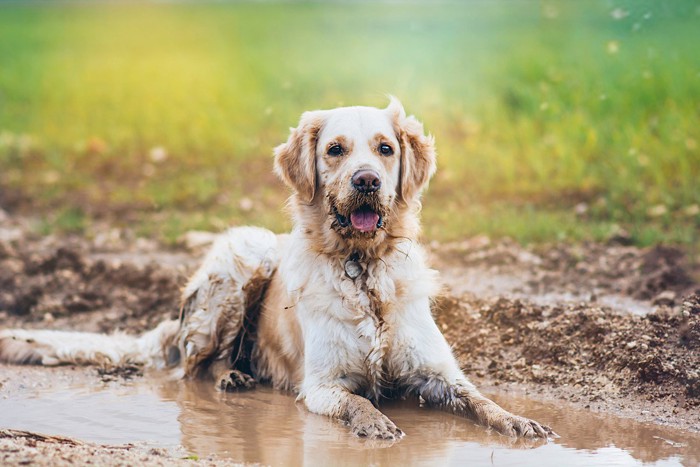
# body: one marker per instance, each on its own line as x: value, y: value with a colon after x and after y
x: 166, y: 418
x: 604, y: 328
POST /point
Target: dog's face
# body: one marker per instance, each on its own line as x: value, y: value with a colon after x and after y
x: 357, y: 165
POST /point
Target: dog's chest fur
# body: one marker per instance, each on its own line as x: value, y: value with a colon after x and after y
x: 354, y: 328
x: 367, y: 300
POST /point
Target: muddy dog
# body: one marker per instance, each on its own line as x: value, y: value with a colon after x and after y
x: 337, y: 311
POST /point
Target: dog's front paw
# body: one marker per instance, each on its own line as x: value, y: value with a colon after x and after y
x: 233, y: 380
x: 512, y: 425
x: 375, y: 426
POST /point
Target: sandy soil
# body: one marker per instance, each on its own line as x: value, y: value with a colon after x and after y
x: 19, y: 447
x: 608, y: 327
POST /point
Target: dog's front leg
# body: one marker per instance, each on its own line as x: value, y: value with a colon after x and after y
x: 363, y: 418
x: 424, y: 360
x: 462, y: 398
x: 332, y: 368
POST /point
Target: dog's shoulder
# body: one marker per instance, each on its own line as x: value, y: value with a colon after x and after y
x: 408, y: 268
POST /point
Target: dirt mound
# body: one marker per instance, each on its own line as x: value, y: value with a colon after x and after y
x: 54, y: 279
x: 592, y: 349
x: 662, y: 269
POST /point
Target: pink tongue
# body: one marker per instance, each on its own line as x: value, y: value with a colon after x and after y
x: 364, y: 220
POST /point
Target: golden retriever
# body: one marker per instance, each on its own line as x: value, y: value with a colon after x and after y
x: 337, y: 311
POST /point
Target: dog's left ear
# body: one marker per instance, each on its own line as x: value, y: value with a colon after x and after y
x: 295, y: 160
x: 417, y: 151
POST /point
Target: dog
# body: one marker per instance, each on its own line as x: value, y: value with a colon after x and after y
x: 338, y: 310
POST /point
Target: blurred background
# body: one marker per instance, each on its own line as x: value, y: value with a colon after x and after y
x: 554, y: 120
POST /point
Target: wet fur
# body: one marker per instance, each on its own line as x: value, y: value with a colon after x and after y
x: 282, y: 309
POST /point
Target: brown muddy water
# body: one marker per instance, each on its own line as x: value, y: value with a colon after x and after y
x: 268, y: 427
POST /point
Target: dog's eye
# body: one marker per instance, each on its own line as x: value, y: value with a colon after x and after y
x: 385, y: 150
x: 335, y: 150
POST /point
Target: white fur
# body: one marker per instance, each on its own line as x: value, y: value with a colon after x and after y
x: 50, y: 348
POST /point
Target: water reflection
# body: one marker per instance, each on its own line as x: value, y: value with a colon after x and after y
x: 266, y: 426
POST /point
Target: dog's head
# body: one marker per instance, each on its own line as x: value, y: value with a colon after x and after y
x: 357, y: 167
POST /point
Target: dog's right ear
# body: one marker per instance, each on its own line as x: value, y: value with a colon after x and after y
x: 295, y: 160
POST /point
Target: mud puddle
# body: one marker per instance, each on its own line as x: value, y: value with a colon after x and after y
x: 268, y: 427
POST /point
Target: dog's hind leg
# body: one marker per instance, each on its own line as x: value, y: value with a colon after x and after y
x: 220, y: 305
x: 230, y: 379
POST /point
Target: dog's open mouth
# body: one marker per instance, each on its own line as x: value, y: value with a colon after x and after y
x: 364, y: 219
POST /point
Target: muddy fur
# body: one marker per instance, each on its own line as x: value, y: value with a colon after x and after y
x: 366, y: 334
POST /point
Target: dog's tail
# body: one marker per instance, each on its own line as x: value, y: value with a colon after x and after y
x: 156, y: 348
x: 217, y: 304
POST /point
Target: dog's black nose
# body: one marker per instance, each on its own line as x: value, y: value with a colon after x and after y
x: 366, y: 181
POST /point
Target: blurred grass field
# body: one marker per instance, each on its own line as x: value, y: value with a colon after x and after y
x: 553, y: 120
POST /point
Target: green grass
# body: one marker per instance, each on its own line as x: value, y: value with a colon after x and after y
x: 536, y: 107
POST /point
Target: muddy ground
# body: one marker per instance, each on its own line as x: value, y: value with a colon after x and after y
x: 608, y: 327
x: 611, y: 328
x: 18, y: 447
